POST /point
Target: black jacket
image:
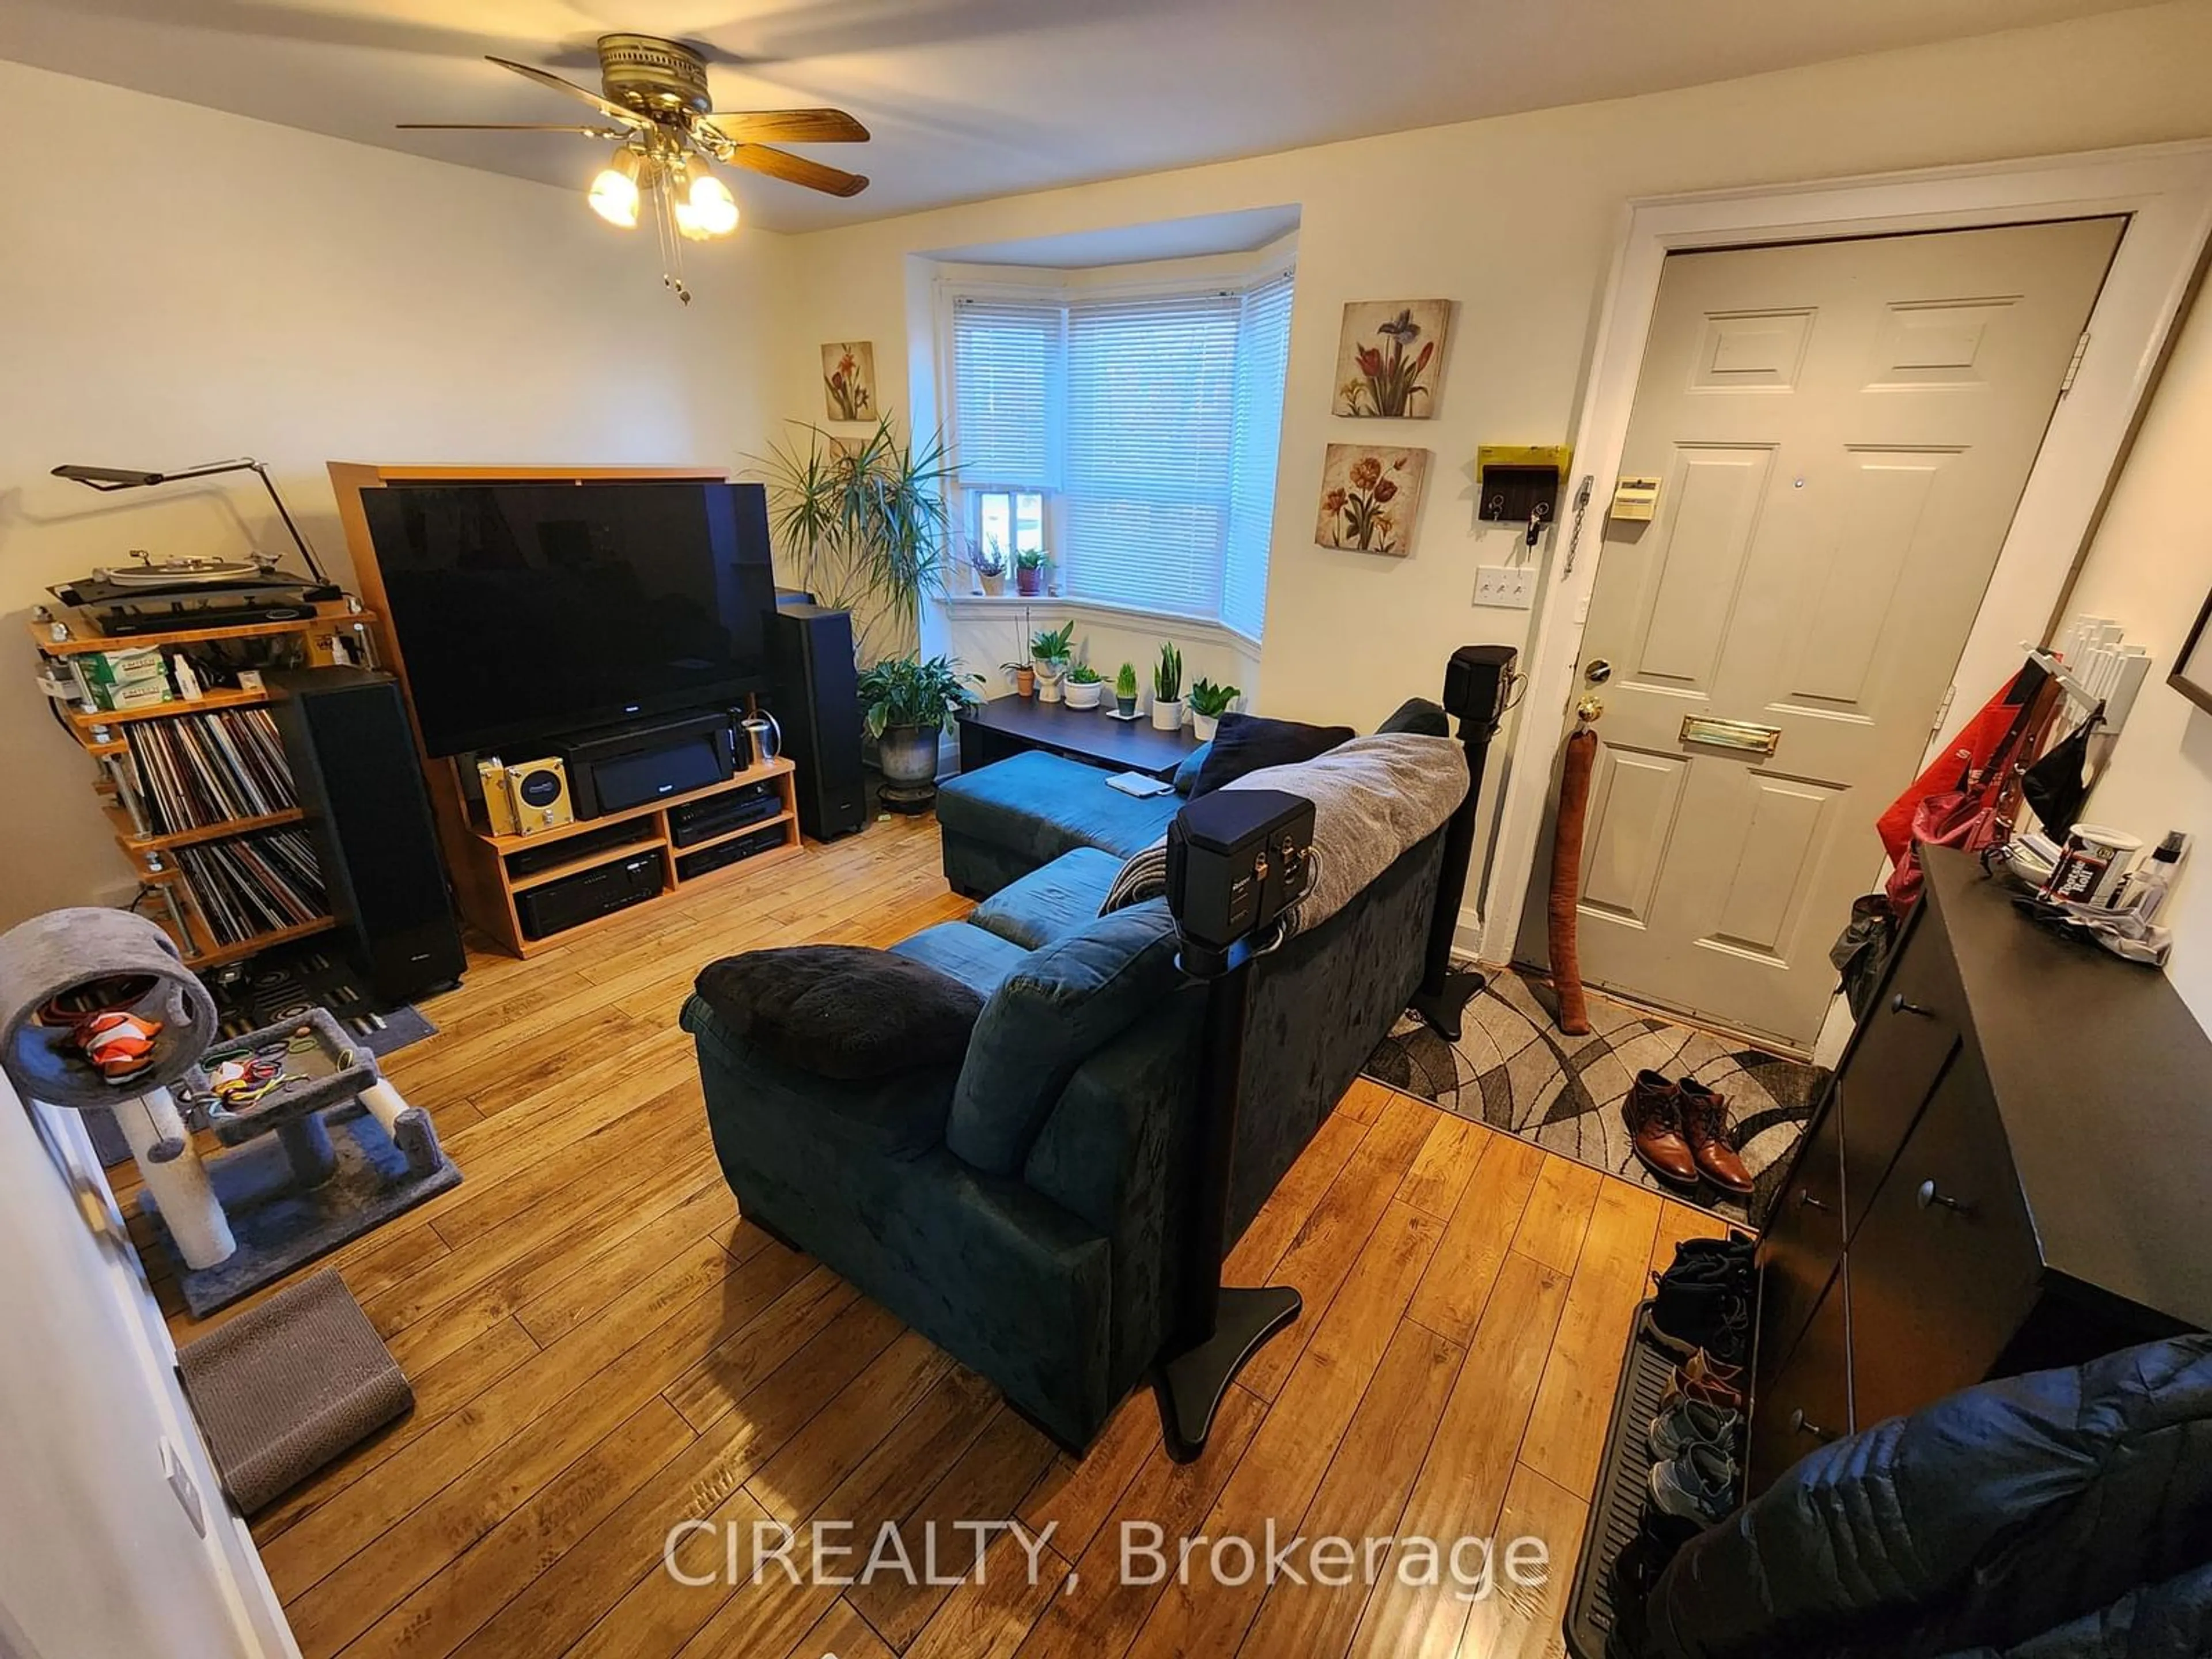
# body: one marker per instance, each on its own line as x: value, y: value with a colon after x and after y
x: 2065, y: 1513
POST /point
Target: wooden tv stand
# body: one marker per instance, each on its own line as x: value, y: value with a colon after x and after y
x: 488, y: 890
x: 481, y: 864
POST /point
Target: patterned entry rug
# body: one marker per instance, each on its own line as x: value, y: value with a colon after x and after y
x: 1514, y: 1070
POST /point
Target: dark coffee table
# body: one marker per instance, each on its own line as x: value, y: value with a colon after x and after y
x: 1008, y: 725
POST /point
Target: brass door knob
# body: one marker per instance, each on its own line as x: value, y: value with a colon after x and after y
x: 1590, y: 709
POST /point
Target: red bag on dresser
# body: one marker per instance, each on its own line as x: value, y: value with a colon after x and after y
x: 1977, y: 811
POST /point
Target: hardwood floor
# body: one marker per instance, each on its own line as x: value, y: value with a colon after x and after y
x: 602, y: 1348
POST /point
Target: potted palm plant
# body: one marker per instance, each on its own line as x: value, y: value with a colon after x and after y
x: 1208, y: 703
x: 1028, y: 572
x: 863, y: 522
x: 1049, y: 652
x: 1084, y: 687
x: 1167, y: 690
x: 1124, y: 691
x: 907, y: 704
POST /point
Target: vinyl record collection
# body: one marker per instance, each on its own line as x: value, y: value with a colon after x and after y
x: 255, y: 884
x: 201, y: 771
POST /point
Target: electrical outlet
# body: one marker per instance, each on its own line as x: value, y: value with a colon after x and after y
x: 1508, y: 587
x: 181, y: 1483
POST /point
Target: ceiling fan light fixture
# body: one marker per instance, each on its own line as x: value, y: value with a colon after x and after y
x: 711, y: 205
x: 614, y: 192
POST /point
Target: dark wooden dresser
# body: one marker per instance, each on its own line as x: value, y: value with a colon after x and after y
x: 2012, y: 1170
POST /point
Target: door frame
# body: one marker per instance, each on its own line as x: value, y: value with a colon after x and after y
x: 2165, y: 191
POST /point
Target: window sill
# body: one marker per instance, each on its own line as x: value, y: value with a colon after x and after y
x: 978, y: 606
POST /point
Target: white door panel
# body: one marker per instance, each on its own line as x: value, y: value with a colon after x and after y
x: 1842, y: 431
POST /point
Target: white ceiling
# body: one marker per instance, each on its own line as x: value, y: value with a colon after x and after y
x: 967, y: 98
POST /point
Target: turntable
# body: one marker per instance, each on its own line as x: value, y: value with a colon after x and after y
x: 154, y: 596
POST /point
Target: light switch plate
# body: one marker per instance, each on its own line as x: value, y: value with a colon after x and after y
x: 182, y: 1484
x: 1507, y: 587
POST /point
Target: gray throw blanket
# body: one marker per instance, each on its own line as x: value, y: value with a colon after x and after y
x: 1373, y: 797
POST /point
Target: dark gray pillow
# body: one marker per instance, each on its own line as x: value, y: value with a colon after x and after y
x: 1246, y: 743
x: 842, y: 1010
x: 1420, y: 717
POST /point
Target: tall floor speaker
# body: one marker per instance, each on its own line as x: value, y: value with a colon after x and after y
x: 817, y: 700
x: 353, y: 763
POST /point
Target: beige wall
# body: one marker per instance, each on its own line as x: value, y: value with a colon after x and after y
x: 1516, y: 220
x: 194, y: 285
x: 2149, y: 569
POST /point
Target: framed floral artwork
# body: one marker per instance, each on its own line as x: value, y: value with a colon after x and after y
x: 848, y: 380
x: 1370, y: 497
x: 1390, y: 358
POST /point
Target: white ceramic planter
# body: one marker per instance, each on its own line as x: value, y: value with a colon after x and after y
x: 1202, y: 726
x: 1048, y: 674
x: 1167, y: 716
x: 1081, y: 694
x: 994, y: 587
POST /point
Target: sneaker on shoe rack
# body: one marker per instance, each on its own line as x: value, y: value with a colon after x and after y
x: 1691, y: 1313
x: 1693, y: 1422
x: 1696, y: 1484
x: 1701, y: 1377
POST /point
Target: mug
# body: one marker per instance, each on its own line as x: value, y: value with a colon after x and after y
x: 2093, y: 864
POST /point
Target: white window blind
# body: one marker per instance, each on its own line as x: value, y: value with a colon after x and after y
x: 1008, y: 365
x: 1151, y: 393
x: 1263, y: 361
x: 1154, y: 422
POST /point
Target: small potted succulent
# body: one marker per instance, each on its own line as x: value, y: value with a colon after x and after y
x: 1208, y: 703
x: 1084, y: 686
x: 1124, y: 691
x: 1028, y: 572
x: 1167, y: 690
x: 907, y: 705
x: 1024, y: 675
x: 990, y: 563
x: 1048, y: 654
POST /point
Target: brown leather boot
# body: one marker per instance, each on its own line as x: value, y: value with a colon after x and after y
x: 1653, y: 1112
x: 1706, y: 1126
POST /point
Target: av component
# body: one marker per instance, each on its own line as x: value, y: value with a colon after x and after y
x: 727, y: 852
x: 352, y: 755
x: 706, y: 819
x: 525, y: 798
x: 815, y: 693
x: 573, y: 850
x: 1236, y: 859
x: 575, y: 900
x: 621, y: 767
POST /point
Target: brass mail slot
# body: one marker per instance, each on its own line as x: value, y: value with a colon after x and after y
x: 1731, y: 734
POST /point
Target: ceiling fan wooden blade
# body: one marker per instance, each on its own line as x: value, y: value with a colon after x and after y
x: 798, y: 170
x: 791, y: 126
x: 629, y: 117
x: 506, y: 126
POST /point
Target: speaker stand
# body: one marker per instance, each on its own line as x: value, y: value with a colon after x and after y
x: 1446, y: 990
x: 1219, y: 1329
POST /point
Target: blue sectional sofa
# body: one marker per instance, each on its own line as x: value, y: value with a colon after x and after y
x: 1024, y: 1208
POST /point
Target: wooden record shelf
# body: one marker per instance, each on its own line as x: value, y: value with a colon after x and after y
x: 99, y: 733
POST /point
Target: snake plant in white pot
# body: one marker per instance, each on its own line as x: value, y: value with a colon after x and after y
x: 1167, y: 690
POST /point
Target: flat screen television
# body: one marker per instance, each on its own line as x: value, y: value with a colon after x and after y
x: 526, y: 610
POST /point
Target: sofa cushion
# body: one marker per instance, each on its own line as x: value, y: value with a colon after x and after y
x: 1418, y: 716
x: 979, y: 959
x: 1047, y: 905
x: 842, y: 1010
x: 1046, y: 1018
x: 1186, y: 777
x: 1041, y: 806
x: 1246, y: 742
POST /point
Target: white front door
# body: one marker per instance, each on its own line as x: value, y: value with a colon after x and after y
x: 1841, y: 431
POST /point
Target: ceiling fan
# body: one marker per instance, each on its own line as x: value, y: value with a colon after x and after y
x: 657, y: 109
